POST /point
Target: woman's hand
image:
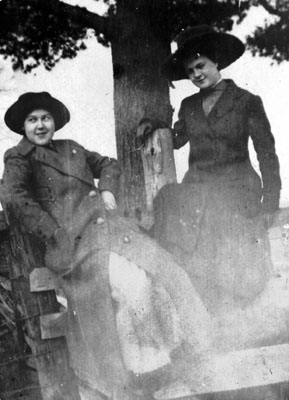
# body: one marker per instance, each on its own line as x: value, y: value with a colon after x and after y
x: 147, y: 126
x: 109, y: 200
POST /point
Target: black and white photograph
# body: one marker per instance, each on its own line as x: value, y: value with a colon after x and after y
x: 144, y: 199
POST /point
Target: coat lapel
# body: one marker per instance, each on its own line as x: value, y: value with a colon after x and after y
x: 225, y: 103
x: 196, y: 109
x: 67, y: 158
x: 24, y: 146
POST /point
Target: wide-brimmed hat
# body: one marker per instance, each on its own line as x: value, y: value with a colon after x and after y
x: 201, y: 39
x: 27, y: 102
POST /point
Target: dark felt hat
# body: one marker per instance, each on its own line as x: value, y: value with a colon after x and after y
x: 27, y: 102
x: 204, y: 40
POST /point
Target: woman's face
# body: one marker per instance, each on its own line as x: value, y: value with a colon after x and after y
x: 202, y: 72
x: 39, y: 127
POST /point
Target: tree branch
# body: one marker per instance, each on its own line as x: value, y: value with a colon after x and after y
x: 81, y: 16
x: 271, y: 9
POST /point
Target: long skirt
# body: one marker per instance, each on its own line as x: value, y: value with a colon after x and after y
x: 212, y: 223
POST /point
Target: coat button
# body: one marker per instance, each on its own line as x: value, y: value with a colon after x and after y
x: 126, y: 239
x: 74, y: 151
x: 100, y: 221
x: 92, y: 193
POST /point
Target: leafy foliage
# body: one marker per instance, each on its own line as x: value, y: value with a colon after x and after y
x: 272, y: 41
x: 217, y: 13
x: 33, y: 34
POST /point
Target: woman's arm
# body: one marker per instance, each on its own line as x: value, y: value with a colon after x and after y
x: 19, y: 200
x: 180, y: 136
x: 108, y: 171
x: 264, y: 144
x: 148, y: 126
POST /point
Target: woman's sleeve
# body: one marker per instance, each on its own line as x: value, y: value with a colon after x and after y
x: 106, y: 169
x: 18, y: 199
x: 264, y: 144
x: 180, y: 136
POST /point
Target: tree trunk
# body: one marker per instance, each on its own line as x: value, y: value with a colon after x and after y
x: 139, y: 45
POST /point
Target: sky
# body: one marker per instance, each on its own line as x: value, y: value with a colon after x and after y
x: 85, y: 85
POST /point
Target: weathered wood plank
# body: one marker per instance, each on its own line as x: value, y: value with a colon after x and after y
x: 232, y: 371
x: 56, y: 379
x: 53, y: 325
x: 158, y: 163
x: 42, y: 279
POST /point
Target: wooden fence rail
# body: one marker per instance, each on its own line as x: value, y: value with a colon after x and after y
x: 34, y: 308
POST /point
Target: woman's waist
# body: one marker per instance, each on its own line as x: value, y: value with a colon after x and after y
x: 63, y: 209
x: 201, y: 171
x: 219, y: 165
x: 218, y: 153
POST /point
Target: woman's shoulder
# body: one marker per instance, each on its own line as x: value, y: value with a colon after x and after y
x: 67, y: 142
x: 20, y: 150
x: 10, y: 153
x: 247, y: 100
x: 237, y: 90
x: 188, y: 101
x: 67, y: 145
x: 25, y: 148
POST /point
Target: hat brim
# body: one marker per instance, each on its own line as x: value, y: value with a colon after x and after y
x: 16, y: 114
x: 228, y: 49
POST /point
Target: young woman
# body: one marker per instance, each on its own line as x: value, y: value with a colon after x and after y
x: 46, y: 183
x: 219, y: 214
x: 123, y: 325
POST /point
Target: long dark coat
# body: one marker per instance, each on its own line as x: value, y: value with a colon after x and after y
x: 215, y: 214
x: 219, y: 142
x: 45, y: 188
x: 48, y: 183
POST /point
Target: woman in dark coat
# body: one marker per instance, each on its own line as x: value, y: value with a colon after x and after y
x: 218, y: 216
x: 46, y: 183
x: 48, y: 192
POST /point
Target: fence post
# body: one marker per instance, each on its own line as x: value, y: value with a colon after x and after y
x: 50, y: 356
x: 158, y: 163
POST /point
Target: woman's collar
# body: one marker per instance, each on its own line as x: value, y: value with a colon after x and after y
x: 25, y: 146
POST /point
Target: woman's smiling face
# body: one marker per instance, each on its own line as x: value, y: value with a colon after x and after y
x: 202, y: 71
x: 39, y: 127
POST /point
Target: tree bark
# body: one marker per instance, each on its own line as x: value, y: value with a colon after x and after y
x: 139, y: 45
